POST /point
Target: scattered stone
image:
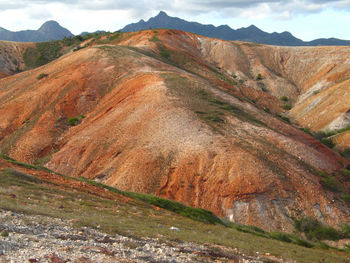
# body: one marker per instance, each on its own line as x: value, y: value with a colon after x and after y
x: 34, y: 238
x: 53, y: 258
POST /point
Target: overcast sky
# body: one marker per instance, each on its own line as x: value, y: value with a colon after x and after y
x: 305, y: 19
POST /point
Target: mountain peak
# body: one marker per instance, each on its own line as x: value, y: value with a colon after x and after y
x: 162, y: 14
x: 49, y: 25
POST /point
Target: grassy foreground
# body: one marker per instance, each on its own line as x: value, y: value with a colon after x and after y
x: 138, y: 215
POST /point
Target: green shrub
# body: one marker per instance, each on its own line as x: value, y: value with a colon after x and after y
x: 330, y: 183
x: 284, y: 118
x: 346, y: 230
x: 323, y: 245
x: 164, y: 54
x: 348, y: 167
x: 320, y: 135
x: 346, y: 197
x: 115, y: 36
x: 328, y: 233
x: 307, y: 130
x: 314, y: 230
x: 281, y: 236
x: 218, y: 102
x: 75, y: 120
x: 41, y: 76
x: 259, y: 77
x: 345, y: 172
x: 154, y: 38
x: 284, y: 98
x: 303, y: 243
x: 287, y: 106
x: 214, y: 118
x: 4, y: 233
x: 346, y: 154
x: 323, y: 173
x: 328, y: 142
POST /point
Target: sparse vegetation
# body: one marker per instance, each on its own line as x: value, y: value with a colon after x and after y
x: 324, y: 134
x: 316, y: 231
x: 284, y: 98
x: 284, y: 118
x: 287, y: 107
x: 345, y: 173
x: 214, y: 118
x: 75, y: 120
x: 154, y: 38
x: 330, y: 183
x: 43, y: 53
x: 41, y: 76
x: 346, y: 154
x: 328, y: 142
x: 259, y: 77
x: 345, y: 198
x: 307, y: 130
x: 4, y: 233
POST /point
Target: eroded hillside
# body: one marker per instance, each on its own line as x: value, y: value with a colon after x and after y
x: 11, y: 57
x: 184, y: 117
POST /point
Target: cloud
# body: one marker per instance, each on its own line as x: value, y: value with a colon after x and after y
x: 194, y: 6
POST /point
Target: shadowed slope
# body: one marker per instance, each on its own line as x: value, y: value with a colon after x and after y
x: 11, y: 57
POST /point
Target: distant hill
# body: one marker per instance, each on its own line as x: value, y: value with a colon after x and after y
x: 50, y: 30
x: 250, y: 34
x: 96, y: 32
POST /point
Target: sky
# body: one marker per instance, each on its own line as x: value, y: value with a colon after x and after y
x: 305, y: 19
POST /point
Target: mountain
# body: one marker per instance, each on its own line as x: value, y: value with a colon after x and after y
x: 249, y: 34
x: 50, y: 30
x: 193, y: 119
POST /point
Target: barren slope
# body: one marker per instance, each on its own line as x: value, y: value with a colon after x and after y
x: 314, y: 80
x: 164, y: 119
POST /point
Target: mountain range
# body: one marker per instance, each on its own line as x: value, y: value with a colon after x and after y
x: 249, y: 34
x: 50, y: 30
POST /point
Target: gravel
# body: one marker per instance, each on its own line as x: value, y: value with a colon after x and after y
x: 34, y: 238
